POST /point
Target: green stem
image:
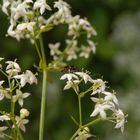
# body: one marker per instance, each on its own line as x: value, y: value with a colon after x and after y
x: 80, y: 110
x: 37, y: 49
x: 44, y: 84
x: 43, y: 102
x: 75, y: 134
x: 42, y: 51
x: 18, y: 133
x: 86, y: 125
x: 92, y: 122
x: 82, y: 94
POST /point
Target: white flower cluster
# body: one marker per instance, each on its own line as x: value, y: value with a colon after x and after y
x: 24, y: 22
x: 105, y: 101
x: 76, y: 28
x: 13, y: 92
x: 27, y: 20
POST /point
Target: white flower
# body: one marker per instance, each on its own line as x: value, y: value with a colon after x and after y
x: 73, y: 26
x: 68, y: 76
x: 1, y: 82
x: 71, y: 49
x: 1, y: 58
x: 42, y: 5
x: 110, y: 97
x: 12, y: 68
x: 3, y: 128
x: 24, y: 113
x: 64, y: 12
x: 83, y: 135
x: 29, y: 26
x: 98, y: 87
x: 120, y: 118
x: 85, y: 52
x: 5, y: 5
x: 72, y: 84
x: 27, y: 77
x: 84, y: 76
x: 100, y: 108
x: 22, y: 30
x: 21, y: 123
x: 13, y: 33
x: 92, y: 46
x: 4, y: 93
x: 97, y: 100
x: 19, y: 9
x: 4, y: 118
x: 55, y: 50
x: 78, y: 25
x: 20, y: 97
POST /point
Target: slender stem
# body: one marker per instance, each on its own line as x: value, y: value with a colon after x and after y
x: 80, y: 110
x: 8, y: 136
x: 75, y: 134
x: 86, y: 125
x: 37, y: 49
x: 3, y: 73
x: 92, y: 122
x: 82, y: 94
x: 43, y: 102
x: 44, y: 84
x: 18, y: 133
x: 42, y: 51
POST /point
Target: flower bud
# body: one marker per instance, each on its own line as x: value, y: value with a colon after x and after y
x: 24, y: 113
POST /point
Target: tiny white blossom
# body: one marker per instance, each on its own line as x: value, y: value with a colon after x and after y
x: 20, y: 9
x: 42, y: 5
x: 20, y: 97
x: 54, y: 50
x: 84, y: 76
x: 11, y: 32
x: 68, y: 76
x: 63, y: 14
x: 1, y: 58
x: 98, y: 87
x: 71, y: 49
x: 100, y: 108
x: 4, y: 118
x: 5, y: 5
x: 1, y: 82
x: 31, y: 77
x: 12, y: 68
x: 92, y: 46
x: 21, y: 123
x: 110, y: 97
x: 26, y: 26
x: 71, y: 84
x: 27, y: 77
x: 120, y: 118
x: 97, y: 100
x: 74, y: 29
x: 3, y: 93
x: 3, y: 128
x: 85, y: 52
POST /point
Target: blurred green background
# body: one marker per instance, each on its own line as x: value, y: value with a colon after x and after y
x: 117, y: 23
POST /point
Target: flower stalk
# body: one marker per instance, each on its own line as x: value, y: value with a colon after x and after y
x: 43, y: 103
x: 44, y: 88
x: 80, y: 111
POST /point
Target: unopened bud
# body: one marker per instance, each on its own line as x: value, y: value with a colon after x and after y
x: 24, y: 113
